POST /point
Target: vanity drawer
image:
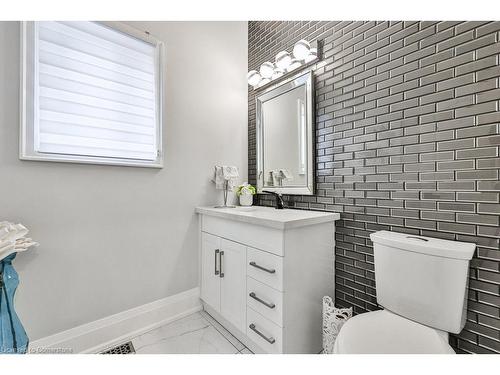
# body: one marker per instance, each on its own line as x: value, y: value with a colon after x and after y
x: 265, y: 300
x: 268, y: 239
x: 266, y: 268
x: 264, y: 333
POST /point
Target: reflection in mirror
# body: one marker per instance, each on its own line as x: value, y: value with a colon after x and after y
x: 284, y: 139
x: 284, y: 132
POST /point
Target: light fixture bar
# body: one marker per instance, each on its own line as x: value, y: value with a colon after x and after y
x: 304, y: 54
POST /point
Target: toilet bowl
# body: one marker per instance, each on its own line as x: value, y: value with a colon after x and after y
x: 421, y: 283
x: 382, y: 332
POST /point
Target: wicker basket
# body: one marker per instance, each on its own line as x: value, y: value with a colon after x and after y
x: 333, y: 320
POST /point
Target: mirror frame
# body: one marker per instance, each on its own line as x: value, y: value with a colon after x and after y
x: 303, y: 78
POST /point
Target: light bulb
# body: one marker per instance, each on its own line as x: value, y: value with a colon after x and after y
x: 253, y: 78
x: 283, y: 60
x: 294, y: 65
x: 267, y: 69
x: 313, y: 55
x: 301, y: 49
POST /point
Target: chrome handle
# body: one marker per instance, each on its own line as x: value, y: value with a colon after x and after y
x: 270, y: 340
x: 215, y: 261
x: 221, y: 256
x: 270, y: 305
x: 253, y: 264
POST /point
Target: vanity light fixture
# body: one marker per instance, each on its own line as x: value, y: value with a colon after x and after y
x: 283, y: 60
x: 301, y: 49
x: 264, y: 81
x: 313, y: 55
x: 303, y: 53
x: 267, y: 69
x: 277, y: 73
x: 294, y: 65
x: 253, y: 78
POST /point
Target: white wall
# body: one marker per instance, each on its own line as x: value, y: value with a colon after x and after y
x: 113, y: 238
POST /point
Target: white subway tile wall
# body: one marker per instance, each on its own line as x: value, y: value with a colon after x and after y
x: 407, y: 139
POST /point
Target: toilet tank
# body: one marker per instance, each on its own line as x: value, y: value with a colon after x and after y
x: 423, y: 279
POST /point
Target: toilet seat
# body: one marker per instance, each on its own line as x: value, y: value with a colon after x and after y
x: 383, y: 332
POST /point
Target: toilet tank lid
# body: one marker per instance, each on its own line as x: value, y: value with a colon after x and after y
x: 425, y: 245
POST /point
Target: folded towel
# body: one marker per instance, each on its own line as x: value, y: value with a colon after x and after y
x: 225, y: 174
x: 6, y: 247
x: 230, y: 172
x: 286, y: 174
x: 276, y: 176
x: 12, y: 239
x: 24, y: 243
x: 10, y: 231
x: 219, y: 178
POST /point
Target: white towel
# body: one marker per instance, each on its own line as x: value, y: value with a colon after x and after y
x: 230, y: 172
x: 10, y: 231
x: 277, y: 176
x: 12, y: 239
x: 286, y: 174
x: 225, y: 173
x: 219, y: 178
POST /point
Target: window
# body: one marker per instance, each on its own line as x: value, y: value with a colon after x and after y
x: 91, y: 93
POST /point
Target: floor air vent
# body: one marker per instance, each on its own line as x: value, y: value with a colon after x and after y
x: 126, y: 348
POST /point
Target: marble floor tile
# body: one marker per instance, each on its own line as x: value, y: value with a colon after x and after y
x: 190, y: 335
x: 233, y: 340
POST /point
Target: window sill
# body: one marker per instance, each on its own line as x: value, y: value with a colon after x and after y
x: 94, y: 160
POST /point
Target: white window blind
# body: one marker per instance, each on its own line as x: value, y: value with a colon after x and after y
x: 96, y: 93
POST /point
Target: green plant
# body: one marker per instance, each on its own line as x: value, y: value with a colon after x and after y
x: 245, y: 189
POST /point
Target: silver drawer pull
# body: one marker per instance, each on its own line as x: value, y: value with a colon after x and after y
x: 216, y: 271
x: 270, y: 340
x: 221, y: 264
x: 253, y: 264
x: 270, y: 305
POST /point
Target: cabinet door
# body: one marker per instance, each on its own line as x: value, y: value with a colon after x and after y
x: 210, y: 270
x: 233, y: 283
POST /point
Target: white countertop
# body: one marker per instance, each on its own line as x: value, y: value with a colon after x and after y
x: 271, y: 217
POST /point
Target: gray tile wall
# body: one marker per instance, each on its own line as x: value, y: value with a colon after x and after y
x: 407, y: 129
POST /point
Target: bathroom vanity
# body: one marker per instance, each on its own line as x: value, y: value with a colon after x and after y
x: 263, y: 273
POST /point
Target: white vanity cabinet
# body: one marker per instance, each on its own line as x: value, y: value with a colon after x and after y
x: 264, y: 273
x: 224, y: 277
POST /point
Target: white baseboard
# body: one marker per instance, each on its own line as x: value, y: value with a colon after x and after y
x: 94, y: 337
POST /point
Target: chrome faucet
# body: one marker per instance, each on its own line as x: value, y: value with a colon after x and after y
x: 279, y: 199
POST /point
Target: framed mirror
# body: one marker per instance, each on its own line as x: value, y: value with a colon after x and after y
x: 285, y: 136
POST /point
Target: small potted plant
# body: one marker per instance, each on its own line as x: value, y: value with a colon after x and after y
x: 246, y: 193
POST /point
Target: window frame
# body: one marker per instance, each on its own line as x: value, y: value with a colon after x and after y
x: 28, y: 122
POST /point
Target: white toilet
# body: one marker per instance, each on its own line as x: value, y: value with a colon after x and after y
x: 421, y: 283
